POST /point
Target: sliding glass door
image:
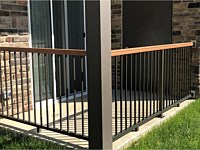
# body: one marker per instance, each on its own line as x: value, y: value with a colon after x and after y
x: 57, y: 24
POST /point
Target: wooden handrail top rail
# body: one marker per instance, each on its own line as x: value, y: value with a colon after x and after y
x: 77, y: 52
x: 149, y: 48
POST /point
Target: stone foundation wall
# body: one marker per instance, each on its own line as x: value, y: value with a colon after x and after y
x: 14, y: 33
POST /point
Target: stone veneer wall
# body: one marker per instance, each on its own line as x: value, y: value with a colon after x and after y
x: 116, y: 33
x: 14, y: 33
x: 116, y: 24
x: 186, y: 27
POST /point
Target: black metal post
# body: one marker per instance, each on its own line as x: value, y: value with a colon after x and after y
x: 161, y: 83
x: 98, y: 27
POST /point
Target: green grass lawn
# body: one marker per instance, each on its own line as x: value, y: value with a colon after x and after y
x: 180, y: 132
x: 14, y: 140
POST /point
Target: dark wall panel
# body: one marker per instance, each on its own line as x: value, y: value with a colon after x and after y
x: 146, y: 23
x: 76, y: 38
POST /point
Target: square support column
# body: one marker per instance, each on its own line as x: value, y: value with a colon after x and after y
x: 98, y: 46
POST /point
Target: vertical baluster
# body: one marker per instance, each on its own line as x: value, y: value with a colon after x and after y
x: 151, y: 81
x: 2, y: 103
x: 182, y: 73
x: 185, y: 72
x: 11, y: 89
x: 140, y: 85
x: 154, y: 80
x: 34, y: 100
x: 190, y: 76
x: 6, y: 87
x: 46, y: 88
x: 64, y: 82
x: 147, y: 85
x: 163, y: 78
x: 170, y: 79
x: 179, y: 73
x: 158, y: 79
x: 22, y: 86
x: 74, y: 76
x: 82, y: 86
x: 121, y: 92
x: 53, y: 93
x: 143, y: 87
x: 40, y: 89
x: 170, y: 61
x: 135, y: 87
x: 175, y: 76
x: 16, y: 82
x: 162, y: 83
x: 188, y: 69
x: 165, y: 94
x: 173, y: 79
x: 125, y: 91
x: 175, y: 73
x: 131, y: 87
x: 66, y: 90
x: 116, y: 114
x: 27, y: 84
x: 60, y: 90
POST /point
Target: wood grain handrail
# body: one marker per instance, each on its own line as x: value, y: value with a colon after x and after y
x: 76, y: 52
x: 149, y: 48
x: 79, y: 52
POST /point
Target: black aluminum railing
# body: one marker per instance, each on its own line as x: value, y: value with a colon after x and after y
x: 28, y: 79
x: 147, y: 81
x: 47, y: 88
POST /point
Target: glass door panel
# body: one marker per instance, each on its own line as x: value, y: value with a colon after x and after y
x: 41, y: 38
